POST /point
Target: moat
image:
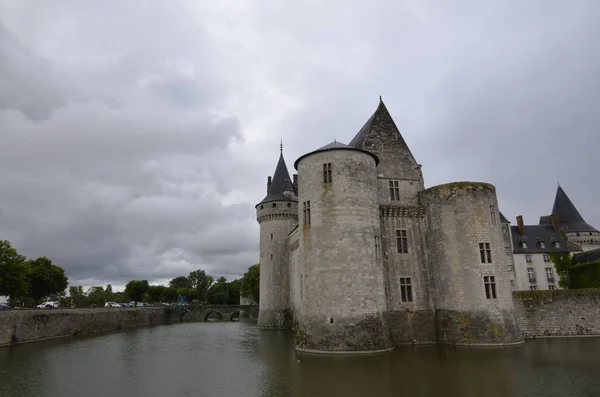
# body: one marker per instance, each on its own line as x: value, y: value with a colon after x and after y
x: 236, y: 359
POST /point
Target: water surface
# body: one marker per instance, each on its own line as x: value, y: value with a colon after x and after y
x: 235, y: 359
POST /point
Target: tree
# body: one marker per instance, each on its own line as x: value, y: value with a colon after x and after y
x: 78, y: 297
x: 562, y: 263
x: 108, y: 292
x: 250, y: 283
x: 96, y: 296
x: 45, y: 278
x: 169, y: 294
x: 201, y: 282
x: 180, y: 282
x: 234, y: 292
x: 136, y: 289
x: 13, y: 272
x: 155, y: 292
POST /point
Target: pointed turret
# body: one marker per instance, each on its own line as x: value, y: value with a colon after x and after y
x: 570, y: 219
x: 280, y: 187
x: 381, y: 136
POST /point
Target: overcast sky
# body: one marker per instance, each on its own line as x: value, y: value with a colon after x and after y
x: 136, y: 136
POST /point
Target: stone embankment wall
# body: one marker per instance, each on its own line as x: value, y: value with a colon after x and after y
x: 558, y: 313
x: 19, y: 326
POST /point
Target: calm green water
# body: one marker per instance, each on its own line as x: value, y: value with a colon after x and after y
x: 235, y: 359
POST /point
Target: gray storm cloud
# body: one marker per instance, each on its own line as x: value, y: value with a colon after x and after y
x: 136, y: 137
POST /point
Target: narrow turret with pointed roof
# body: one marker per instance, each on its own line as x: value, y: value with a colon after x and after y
x: 281, y: 187
x: 570, y: 219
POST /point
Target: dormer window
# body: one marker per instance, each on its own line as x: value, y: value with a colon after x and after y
x: 523, y: 244
x: 556, y: 244
x: 542, y: 244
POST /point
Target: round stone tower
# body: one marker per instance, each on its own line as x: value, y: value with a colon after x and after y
x: 277, y: 215
x: 342, y: 286
x: 469, y: 266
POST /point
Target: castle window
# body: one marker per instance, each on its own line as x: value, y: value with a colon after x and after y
x: 541, y: 244
x: 489, y: 283
x: 485, y: 252
x: 531, y: 274
x: 289, y: 205
x: 528, y: 258
x: 512, y: 283
x: 402, y: 241
x: 327, y: 173
x: 551, y: 287
x: 394, y: 190
x: 274, y: 205
x: 271, y: 236
x: 550, y: 275
x: 533, y: 287
x: 556, y: 244
x: 377, y: 248
x: 406, y: 289
x: 493, y: 214
x: 306, y: 212
x: 546, y: 258
x: 271, y: 256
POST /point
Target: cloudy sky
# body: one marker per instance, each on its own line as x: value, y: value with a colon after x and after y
x: 136, y: 136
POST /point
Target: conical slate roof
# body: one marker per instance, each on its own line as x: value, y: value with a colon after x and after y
x: 570, y: 219
x: 282, y: 187
x: 380, y: 132
x: 335, y: 145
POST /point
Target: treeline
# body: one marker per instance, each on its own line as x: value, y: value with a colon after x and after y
x: 27, y: 281
x: 197, y: 287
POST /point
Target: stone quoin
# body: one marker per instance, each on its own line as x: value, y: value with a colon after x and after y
x: 357, y: 256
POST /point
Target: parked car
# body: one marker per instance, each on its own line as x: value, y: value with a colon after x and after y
x: 112, y: 304
x: 4, y: 306
x: 48, y: 305
x: 125, y: 304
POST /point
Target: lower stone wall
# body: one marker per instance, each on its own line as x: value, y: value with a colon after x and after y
x: 558, y: 313
x: 19, y: 326
x: 408, y: 326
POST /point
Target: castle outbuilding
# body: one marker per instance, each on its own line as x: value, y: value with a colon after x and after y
x: 357, y: 256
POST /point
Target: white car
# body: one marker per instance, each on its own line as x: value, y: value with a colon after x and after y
x: 112, y: 304
x: 48, y: 305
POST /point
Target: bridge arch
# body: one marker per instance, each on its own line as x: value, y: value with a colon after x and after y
x: 207, y: 314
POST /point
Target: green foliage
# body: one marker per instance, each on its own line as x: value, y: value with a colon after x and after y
x: 169, y: 295
x: 201, y: 282
x: 136, y: 289
x: 13, y: 272
x: 155, y: 292
x: 250, y: 283
x: 180, y: 282
x: 223, y: 292
x: 96, y: 296
x: 562, y: 263
x: 189, y: 293
x: 78, y: 297
x: 585, y: 275
x: 45, y: 278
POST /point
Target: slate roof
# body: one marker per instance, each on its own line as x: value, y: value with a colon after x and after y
x: 282, y: 188
x: 570, y: 219
x: 587, y: 256
x: 335, y: 146
x: 380, y: 122
x: 503, y: 219
x: 535, y: 234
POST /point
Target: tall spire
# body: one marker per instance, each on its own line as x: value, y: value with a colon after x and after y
x: 570, y: 219
x: 281, y: 187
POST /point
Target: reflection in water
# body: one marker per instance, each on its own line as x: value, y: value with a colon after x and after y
x: 236, y: 359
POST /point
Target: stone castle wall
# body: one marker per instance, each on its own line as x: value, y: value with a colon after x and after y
x: 277, y: 219
x: 461, y: 216
x: 19, y: 326
x: 344, y: 298
x: 558, y: 313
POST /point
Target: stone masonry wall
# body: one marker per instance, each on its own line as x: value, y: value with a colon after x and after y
x: 343, y: 298
x: 460, y: 217
x: 558, y: 313
x: 18, y: 326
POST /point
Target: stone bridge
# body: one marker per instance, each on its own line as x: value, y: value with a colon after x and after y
x: 214, y: 312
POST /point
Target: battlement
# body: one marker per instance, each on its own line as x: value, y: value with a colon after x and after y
x: 459, y: 188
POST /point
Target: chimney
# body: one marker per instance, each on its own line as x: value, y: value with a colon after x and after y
x: 295, y: 176
x: 520, y: 225
x: 555, y: 220
x: 268, y: 184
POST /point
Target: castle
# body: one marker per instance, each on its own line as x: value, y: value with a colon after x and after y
x: 357, y: 256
